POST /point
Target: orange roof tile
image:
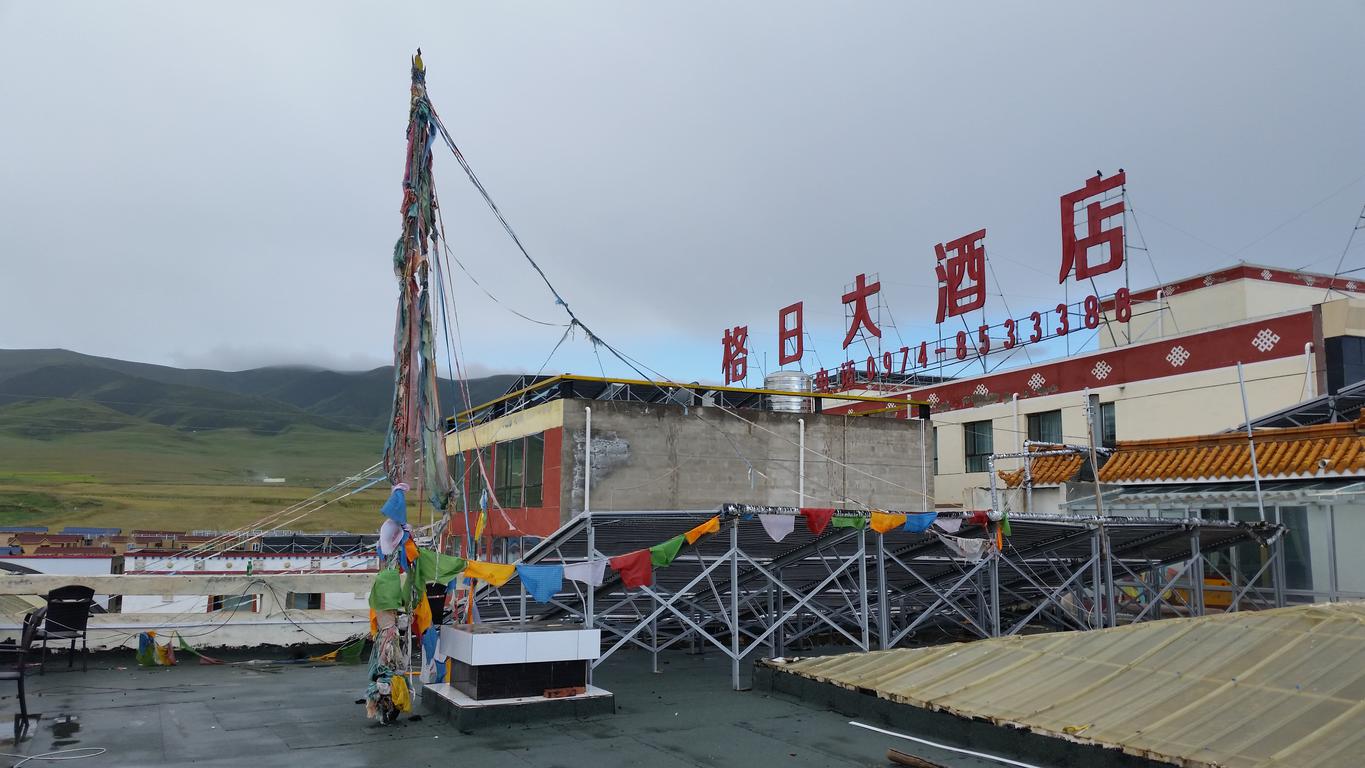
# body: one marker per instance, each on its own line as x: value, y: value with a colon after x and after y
x: 1046, y: 470
x: 1325, y: 450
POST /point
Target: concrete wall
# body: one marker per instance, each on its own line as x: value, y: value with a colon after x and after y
x: 670, y: 457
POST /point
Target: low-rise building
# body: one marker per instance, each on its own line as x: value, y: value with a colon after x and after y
x: 562, y: 444
x: 1172, y: 370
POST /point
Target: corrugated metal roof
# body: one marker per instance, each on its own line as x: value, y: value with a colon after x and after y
x: 1326, y: 450
x: 1270, y: 688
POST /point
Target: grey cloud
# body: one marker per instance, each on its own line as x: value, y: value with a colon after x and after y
x: 181, y: 177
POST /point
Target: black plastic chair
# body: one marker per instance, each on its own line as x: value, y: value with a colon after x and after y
x: 68, y: 614
x: 32, y: 620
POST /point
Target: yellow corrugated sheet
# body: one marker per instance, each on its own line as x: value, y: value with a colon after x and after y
x: 1269, y: 688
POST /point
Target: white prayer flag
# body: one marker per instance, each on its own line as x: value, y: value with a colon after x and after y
x: 778, y: 526
x: 948, y: 524
x: 390, y: 536
x: 968, y: 549
x: 589, y: 572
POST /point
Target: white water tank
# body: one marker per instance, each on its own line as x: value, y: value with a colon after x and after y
x: 790, y: 381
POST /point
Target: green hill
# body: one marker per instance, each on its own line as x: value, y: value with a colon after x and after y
x: 263, y: 399
x: 89, y: 440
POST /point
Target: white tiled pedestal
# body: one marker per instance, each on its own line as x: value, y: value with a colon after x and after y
x: 496, y: 645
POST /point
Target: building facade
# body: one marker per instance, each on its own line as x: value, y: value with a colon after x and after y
x: 1171, y: 371
x: 667, y: 455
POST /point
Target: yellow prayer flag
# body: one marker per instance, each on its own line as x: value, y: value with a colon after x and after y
x: 496, y: 574
x: 710, y: 526
x: 882, y: 522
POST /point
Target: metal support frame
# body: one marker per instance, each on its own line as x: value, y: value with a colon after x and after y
x: 1055, y: 572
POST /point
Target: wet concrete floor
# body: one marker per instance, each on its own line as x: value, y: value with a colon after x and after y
x: 307, y: 716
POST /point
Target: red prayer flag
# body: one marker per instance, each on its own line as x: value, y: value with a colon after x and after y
x: 979, y: 517
x: 817, y: 519
x: 635, y: 568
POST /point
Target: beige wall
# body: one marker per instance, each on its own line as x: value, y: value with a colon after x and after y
x: 531, y: 421
x: 1221, y: 304
x: 1171, y: 406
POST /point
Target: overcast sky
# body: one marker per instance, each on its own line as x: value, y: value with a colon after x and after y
x: 218, y: 184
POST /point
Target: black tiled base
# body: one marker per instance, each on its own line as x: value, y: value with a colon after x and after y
x: 475, y: 714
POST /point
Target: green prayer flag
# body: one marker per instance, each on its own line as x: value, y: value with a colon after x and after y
x: 387, y: 592
x: 848, y: 522
x: 427, y: 568
x: 663, y: 554
x: 1005, y: 524
x: 350, y: 654
x: 434, y: 567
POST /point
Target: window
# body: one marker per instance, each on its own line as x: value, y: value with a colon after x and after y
x: 535, y: 461
x: 1045, y: 427
x: 1108, y: 435
x: 509, y: 467
x: 977, y: 436
x: 233, y: 603
x: 304, y: 601
x: 517, y: 469
x: 474, y: 476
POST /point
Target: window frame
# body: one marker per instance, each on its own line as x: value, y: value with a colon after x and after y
x: 1034, y: 426
x: 973, y: 434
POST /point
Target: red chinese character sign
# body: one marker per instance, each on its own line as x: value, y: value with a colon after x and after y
x: 858, y: 299
x: 790, y: 334
x: 962, y: 276
x: 735, y: 358
x: 1076, y: 250
x: 1092, y: 245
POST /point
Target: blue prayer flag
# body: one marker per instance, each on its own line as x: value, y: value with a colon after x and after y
x: 920, y: 522
x: 396, y: 508
x: 542, y: 582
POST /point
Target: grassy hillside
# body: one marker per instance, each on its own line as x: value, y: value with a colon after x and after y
x: 100, y: 442
x: 128, y: 474
x: 269, y: 396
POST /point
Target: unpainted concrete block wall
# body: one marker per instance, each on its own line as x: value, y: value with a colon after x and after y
x: 648, y: 457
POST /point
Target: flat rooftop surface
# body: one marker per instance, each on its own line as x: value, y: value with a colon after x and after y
x: 307, y: 716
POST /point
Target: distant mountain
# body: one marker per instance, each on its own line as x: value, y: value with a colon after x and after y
x: 263, y: 400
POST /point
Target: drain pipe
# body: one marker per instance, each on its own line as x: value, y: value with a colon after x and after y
x: 1251, y: 442
x: 587, y: 461
x: 1309, y: 385
x: 801, y: 464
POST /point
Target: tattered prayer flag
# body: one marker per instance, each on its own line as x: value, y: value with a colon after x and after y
x: 817, y: 519
x: 883, y: 522
x: 662, y: 555
x: 589, y: 572
x: 919, y: 523
x: 421, y: 613
x: 778, y: 527
x: 968, y: 549
x: 636, y: 568
x: 849, y: 521
x: 1005, y: 524
x: 710, y: 526
x: 496, y: 574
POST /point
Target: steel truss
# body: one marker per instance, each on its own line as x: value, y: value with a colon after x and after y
x: 738, y: 591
